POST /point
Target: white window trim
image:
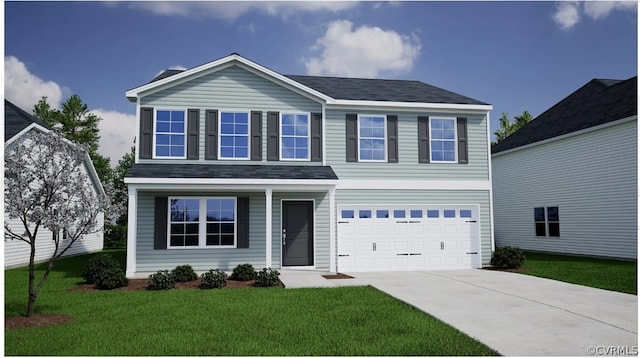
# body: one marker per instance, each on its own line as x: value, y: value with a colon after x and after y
x: 455, y: 140
x: 202, y: 224
x: 386, y: 137
x: 155, y: 131
x: 308, y: 158
x: 220, y: 134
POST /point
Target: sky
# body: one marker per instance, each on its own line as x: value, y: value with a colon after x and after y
x: 515, y: 56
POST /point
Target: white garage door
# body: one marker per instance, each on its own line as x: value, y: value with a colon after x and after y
x: 409, y: 237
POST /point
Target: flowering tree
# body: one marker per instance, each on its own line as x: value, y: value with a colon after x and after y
x: 47, y: 188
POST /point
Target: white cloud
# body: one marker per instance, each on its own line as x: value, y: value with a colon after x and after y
x: 233, y: 9
x: 117, y: 132
x: 568, y: 13
x: 25, y: 89
x: 363, y: 52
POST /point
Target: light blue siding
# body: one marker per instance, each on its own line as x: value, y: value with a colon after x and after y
x: 592, y: 179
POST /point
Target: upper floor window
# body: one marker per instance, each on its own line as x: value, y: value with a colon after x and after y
x: 443, y: 140
x: 170, y: 133
x: 372, y: 138
x: 295, y: 139
x: 234, y: 135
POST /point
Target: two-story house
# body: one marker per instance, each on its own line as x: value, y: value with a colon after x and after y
x: 236, y: 163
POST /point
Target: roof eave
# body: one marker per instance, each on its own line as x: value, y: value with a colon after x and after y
x: 412, y: 105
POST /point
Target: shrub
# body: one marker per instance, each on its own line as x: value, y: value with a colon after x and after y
x: 184, y: 273
x: 244, y: 272
x: 214, y: 278
x: 507, y: 257
x: 267, y: 277
x: 162, y: 280
x: 109, y: 279
x: 115, y: 236
x: 98, y: 264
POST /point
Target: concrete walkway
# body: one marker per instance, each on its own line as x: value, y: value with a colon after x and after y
x: 511, y: 313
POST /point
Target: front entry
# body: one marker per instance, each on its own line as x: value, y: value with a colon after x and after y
x: 297, y: 233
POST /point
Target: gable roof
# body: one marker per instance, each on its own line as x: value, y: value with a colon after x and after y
x: 331, y: 89
x: 16, y: 120
x: 598, y: 102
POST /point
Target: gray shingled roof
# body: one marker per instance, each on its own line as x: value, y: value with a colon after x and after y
x: 221, y: 171
x: 598, y: 102
x: 367, y: 89
x: 16, y: 119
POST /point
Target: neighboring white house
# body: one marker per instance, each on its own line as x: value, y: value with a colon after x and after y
x: 567, y: 182
x: 17, y: 125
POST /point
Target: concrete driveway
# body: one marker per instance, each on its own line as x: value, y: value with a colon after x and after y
x: 517, y: 314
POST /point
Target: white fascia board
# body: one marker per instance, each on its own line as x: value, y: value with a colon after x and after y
x: 174, y: 184
x: 412, y: 106
x: 31, y: 126
x: 222, y: 63
x: 568, y: 135
x: 391, y: 184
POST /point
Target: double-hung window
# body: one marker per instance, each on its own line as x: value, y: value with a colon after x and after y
x: 295, y: 139
x: 442, y: 132
x: 234, y: 135
x: 547, y: 221
x: 170, y: 134
x: 372, y: 139
x: 202, y: 222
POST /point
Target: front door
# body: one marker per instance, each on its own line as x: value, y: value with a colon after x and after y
x: 297, y: 233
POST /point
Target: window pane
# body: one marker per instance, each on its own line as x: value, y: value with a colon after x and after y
x: 554, y: 229
x: 382, y: 214
x: 287, y: 120
x: 433, y: 213
x: 177, y: 116
x: 241, y: 141
x: 448, y: 134
x: 162, y: 127
x: 242, y: 153
x: 191, y: 229
x: 177, y: 151
x: 540, y: 229
x: 177, y: 229
x: 437, y: 134
x: 227, y: 228
x: 226, y: 128
x: 242, y: 129
x: 538, y: 214
x: 213, y: 240
x: 177, y: 127
x: 449, y: 213
x: 449, y: 156
x: 347, y: 214
x: 213, y: 228
x: 288, y: 130
x: 176, y: 240
x: 366, y: 132
x: 227, y: 240
x: 191, y: 240
x: 552, y: 214
x: 364, y: 214
x: 416, y: 213
x: 399, y: 214
x: 465, y: 213
x: 301, y: 153
x: 437, y: 156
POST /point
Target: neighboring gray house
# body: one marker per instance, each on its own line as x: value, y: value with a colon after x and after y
x: 17, y: 126
x: 237, y: 163
x: 567, y: 182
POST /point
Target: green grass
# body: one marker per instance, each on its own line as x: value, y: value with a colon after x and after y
x: 232, y: 322
x: 610, y: 275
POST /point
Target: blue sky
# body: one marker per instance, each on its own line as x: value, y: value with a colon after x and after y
x: 514, y: 55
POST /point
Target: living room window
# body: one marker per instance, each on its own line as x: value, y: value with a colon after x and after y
x: 372, y: 138
x: 170, y: 134
x: 295, y: 139
x: 234, y: 135
x: 202, y: 222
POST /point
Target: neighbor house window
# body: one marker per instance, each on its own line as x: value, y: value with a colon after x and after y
x: 295, y: 139
x: 234, y: 135
x: 170, y: 134
x: 442, y: 134
x: 202, y: 222
x: 372, y: 138
x: 547, y: 221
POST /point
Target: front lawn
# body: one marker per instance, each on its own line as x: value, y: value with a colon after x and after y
x: 228, y: 322
x: 611, y: 275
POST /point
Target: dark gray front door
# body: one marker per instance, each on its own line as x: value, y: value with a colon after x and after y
x: 297, y: 233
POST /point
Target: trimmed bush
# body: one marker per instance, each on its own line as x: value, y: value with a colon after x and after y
x: 115, y: 236
x: 184, y: 273
x: 244, y: 272
x: 162, y: 280
x: 96, y: 265
x: 214, y: 278
x: 111, y: 278
x: 267, y: 277
x: 507, y: 257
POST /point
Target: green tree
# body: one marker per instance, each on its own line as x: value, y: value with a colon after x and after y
x: 507, y: 128
x: 76, y: 123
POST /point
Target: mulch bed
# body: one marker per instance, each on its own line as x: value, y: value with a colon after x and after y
x: 37, y: 320
x: 337, y: 276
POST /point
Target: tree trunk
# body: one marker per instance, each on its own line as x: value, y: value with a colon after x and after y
x: 31, y: 303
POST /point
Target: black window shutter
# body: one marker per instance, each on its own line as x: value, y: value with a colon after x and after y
x: 273, y: 136
x: 146, y: 133
x: 463, y: 142
x: 193, y: 132
x: 316, y: 137
x: 423, y: 140
x: 211, y: 134
x: 242, y: 233
x: 392, y: 138
x: 352, y: 137
x: 160, y: 223
x: 256, y: 135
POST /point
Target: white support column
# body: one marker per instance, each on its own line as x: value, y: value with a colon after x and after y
x: 333, y: 267
x: 131, y: 231
x: 268, y: 230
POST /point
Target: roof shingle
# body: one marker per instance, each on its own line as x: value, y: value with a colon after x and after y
x: 16, y: 120
x: 222, y: 171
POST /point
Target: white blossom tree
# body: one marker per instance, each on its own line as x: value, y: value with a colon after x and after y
x: 46, y: 187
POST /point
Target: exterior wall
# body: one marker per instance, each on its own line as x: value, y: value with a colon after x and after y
x: 428, y: 197
x: 232, y: 88
x: 407, y: 166
x: 591, y: 177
